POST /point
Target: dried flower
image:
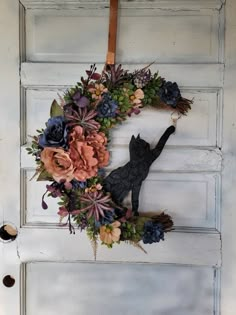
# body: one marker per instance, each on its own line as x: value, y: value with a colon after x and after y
x: 110, y: 233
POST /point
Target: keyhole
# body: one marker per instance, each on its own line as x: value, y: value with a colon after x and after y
x: 8, y: 281
x: 8, y: 232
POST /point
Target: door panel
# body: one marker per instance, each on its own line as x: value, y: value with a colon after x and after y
x: 193, y: 201
x: 80, y: 288
x: 48, y: 40
x: 204, y: 113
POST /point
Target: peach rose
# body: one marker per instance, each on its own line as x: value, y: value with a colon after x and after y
x: 57, y: 163
x: 87, y: 153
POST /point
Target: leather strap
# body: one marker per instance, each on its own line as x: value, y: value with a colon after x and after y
x: 111, y: 54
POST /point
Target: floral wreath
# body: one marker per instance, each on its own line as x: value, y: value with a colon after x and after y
x: 72, y: 152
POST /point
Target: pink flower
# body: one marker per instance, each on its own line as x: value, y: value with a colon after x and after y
x: 97, y: 91
x: 110, y: 233
x: 57, y: 163
x: 137, y: 97
x: 63, y: 212
x: 98, y: 141
x: 87, y: 153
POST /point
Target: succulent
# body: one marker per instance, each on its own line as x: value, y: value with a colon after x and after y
x: 114, y: 76
x: 169, y: 93
x: 107, y: 219
x: 153, y: 232
x: 128, y: 232
x: 83, y: 118
x: 151, y: 90
x: 96, y: 204
x: 107, y: 106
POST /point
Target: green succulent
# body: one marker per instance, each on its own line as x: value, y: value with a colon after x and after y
x: 151, y: 90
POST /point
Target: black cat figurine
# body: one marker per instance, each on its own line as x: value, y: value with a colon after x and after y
x: 130, y: 176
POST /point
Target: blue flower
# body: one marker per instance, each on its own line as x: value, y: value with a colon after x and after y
x: 169, y: 93
x: 55, y: 135
x: 107, y: 219
x: 107, y: 106
x: 153, y: 232
x: 78, y: 184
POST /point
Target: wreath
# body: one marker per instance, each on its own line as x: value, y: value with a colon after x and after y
x: 72, y: 153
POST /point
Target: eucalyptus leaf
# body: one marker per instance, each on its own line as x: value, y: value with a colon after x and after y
x: 56, y: 109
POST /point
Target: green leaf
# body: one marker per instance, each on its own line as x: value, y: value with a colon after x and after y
x: 56, y: 109
x: 44, y: 175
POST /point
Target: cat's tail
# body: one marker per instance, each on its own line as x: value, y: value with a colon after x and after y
x: 161, y: 143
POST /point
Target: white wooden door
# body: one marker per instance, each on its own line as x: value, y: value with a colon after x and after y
x: 45, y: 47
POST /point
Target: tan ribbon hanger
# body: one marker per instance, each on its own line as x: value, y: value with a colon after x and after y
x: 111, y: 53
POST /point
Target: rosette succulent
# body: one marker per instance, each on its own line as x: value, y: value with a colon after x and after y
x: 107, y: 106
x: 169, y: 93
x: 96, y: 204
x: 153, y: 232
x: 55, y: 135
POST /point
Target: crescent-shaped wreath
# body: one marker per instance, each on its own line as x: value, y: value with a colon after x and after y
x: 72, y: 152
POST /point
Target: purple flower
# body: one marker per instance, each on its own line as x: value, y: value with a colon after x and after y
x: 107, y: 106
x: 80, y: 101
x: 55, y: 135
x: 169, y: 93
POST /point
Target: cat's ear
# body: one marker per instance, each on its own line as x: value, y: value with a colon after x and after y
x: 132, y: 138
x: 138, y: 137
